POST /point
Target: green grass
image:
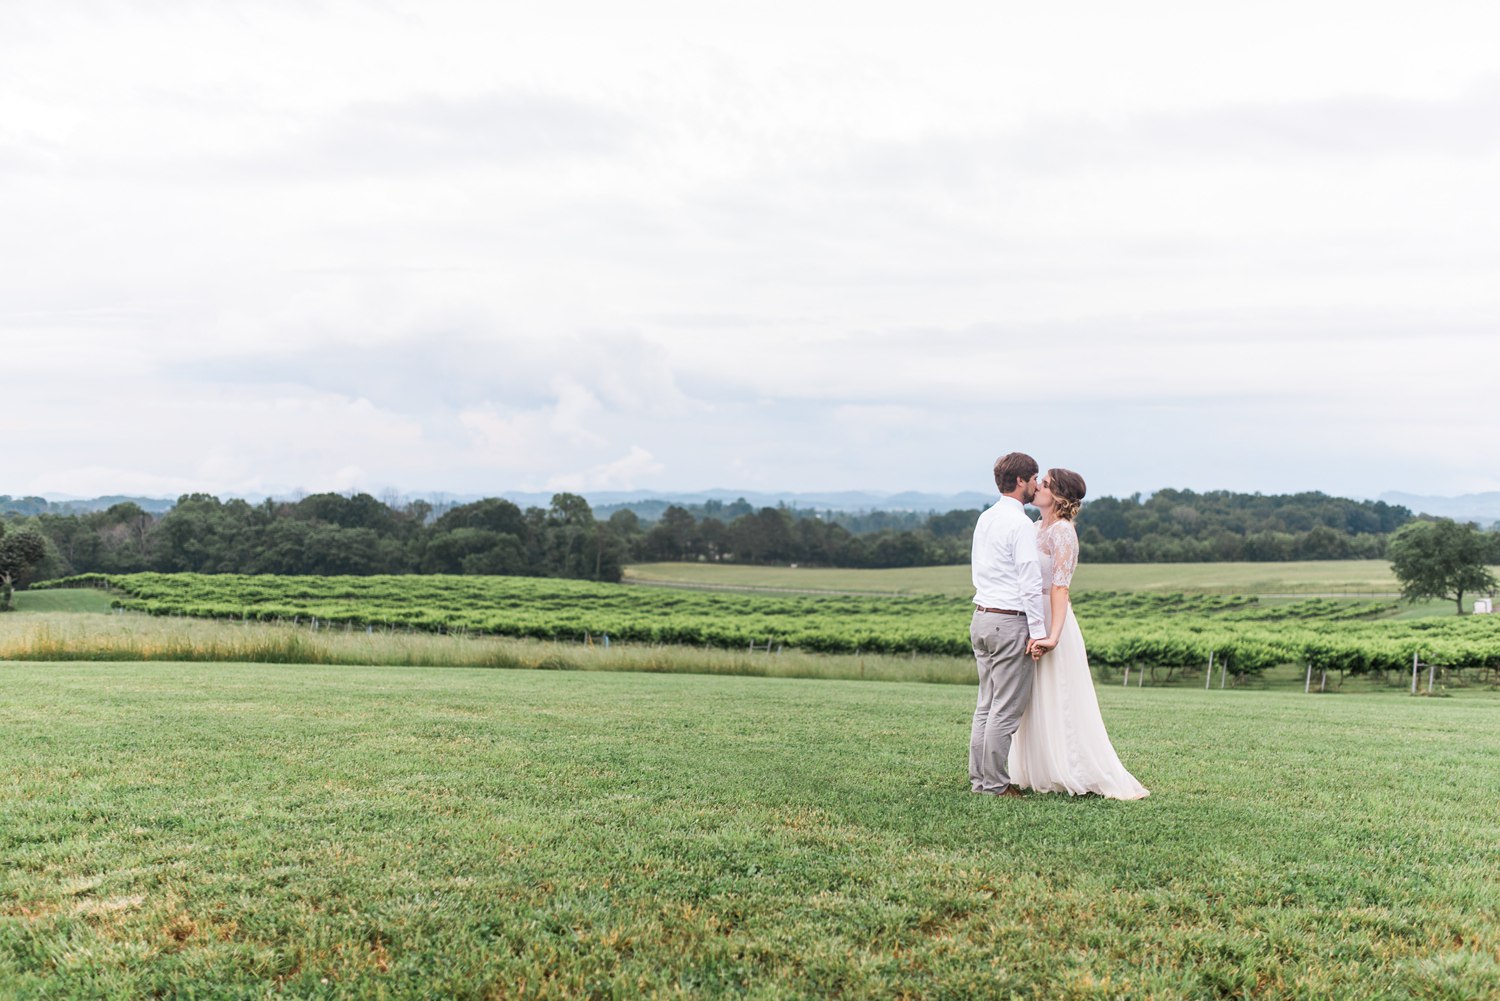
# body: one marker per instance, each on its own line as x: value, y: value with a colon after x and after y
x: 84, y: 599
x: 240, y: 832
x: 1312, y: 577
x: 72, y: 636
x: 950, y: 580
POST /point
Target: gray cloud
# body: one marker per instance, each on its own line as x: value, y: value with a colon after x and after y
x: 19, y: 159
x: 437, y: 133
x: 435, y: 367
x: 1362, y: 128
x: 420, y: 373
x: 402, y: 138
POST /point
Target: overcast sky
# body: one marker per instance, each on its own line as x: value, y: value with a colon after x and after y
x: 470, y: 247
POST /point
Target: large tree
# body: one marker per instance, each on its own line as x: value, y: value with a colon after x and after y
x: 673, y: 536
x: 1441, y: 559
x: 19, y: 552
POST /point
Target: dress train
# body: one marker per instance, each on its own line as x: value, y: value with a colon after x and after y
x: 1061, y: 744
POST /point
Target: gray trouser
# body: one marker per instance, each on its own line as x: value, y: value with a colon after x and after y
x: 1005, y: 673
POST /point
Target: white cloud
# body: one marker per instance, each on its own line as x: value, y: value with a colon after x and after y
x: 634, y: 468
x: 465, y: 246
x: 170, y: 442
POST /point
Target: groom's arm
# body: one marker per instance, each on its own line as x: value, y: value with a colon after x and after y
x: 1029, y: 570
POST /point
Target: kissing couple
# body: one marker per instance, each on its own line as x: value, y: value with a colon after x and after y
x: 1037, y: 725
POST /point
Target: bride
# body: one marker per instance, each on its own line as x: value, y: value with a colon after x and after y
x: 1061, y: 745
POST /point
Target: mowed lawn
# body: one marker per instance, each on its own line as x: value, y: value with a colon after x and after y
x: 82, y: 599
x: 239, y: 831
x: 1308, y: 577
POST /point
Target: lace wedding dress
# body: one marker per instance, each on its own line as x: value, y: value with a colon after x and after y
x: 1061, y: 744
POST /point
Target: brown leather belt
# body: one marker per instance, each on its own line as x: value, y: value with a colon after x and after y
x: 999, y: 611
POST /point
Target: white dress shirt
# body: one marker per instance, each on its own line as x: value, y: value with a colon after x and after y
x: 1007, y: 568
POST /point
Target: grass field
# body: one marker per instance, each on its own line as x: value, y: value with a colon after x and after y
x: 94, y: 636
x: 1329, y: 577
x: 63, y: 600
x: 1352, y: 578
x: 473, y: 621
x: 211, y: 831
x: 1313, y: 577
x: 82, y: 636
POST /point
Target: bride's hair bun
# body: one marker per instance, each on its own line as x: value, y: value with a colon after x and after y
x: 1068, y: 491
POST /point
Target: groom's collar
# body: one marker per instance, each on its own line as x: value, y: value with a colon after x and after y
x: 1008, y: 499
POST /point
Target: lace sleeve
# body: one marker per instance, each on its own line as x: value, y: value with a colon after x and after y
x: 1064, y: 553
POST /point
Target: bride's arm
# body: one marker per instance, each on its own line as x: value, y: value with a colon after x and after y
x: 1064, y: 562
x: 1059, y: 615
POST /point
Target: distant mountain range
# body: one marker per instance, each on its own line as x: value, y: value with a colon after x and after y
x: 835, y: 500
x: 53, y: 504
x: 1481, y: 508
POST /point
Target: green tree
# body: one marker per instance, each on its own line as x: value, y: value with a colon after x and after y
x: 476, y: 551
x: 1322, y: 543
x: 19, y: 553
x: 1440, y: 559
x: 762, y: 537
x: 494, y: 514
x: 672, y: 537
x: 958, y: 524
x: 358, y: 511
x: 713, y: 537
x: 572, y: 543
x: 626, y: 526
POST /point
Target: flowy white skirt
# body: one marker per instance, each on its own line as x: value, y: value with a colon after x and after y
x: 1061, y: 744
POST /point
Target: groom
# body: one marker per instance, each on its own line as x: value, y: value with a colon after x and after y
x: 1008, y: 617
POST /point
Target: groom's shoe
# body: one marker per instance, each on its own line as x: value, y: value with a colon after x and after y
x: 1008, y: 791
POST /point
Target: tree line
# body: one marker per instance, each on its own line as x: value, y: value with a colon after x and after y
x: 335, y: 534
x: 1171, y: 526
x: 326, y: 534
x: 1182, y: 526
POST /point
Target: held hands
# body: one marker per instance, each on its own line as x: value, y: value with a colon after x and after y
x: 1038, y: 648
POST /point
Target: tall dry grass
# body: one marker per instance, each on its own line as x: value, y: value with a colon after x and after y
x: 122, y: 636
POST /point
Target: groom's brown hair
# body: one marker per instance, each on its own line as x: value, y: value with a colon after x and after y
x: 1012, y: 468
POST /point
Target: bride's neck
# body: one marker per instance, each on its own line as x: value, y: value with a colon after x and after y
x: 1050, y: 518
